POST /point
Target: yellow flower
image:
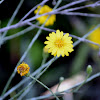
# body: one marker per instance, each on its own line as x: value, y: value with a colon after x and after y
x: 23, y: 69
x: 59, y: 44
x: 42, y: 19
x: 95, y: 37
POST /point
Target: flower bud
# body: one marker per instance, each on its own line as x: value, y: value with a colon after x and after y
x: 45, y: 52
x: 89, y: 69
x: 61, y: 79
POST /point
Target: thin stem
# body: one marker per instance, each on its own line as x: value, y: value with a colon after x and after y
x: 25, y: 53
x: 86, y: 35
x: 23, y: 91
x: 68, y: 90
x: 33, y: 82
x: 44, y: 86
x: 60, y: 81
x: 19, y: 33
x: 81, y: 84
x: 44, y: 60
x: 1, y: 1
x: 13, y: 16
x: 22, y: 58
x: 96, y: 4
x: 24, y: 80
x: 46, y: 67
x: 43, y: 66
x: 49, y: 13
x: 76, y: 37
x: 20, y: 92
x: 78, y: 14
x: 46, y: 29
x: 58, y: 86
x: 42, y: 3
x: 70, y: 4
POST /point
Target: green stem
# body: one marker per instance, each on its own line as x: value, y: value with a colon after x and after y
x: 82, y: 83
x: 45, y: 56
x: 32, y: 83
x: 58, y: 86
x: 44, y: 86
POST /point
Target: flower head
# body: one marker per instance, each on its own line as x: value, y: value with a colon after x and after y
x: 23, y: 69
x: 42, y: 19
x: 95, y: 37
x: 59, y: 44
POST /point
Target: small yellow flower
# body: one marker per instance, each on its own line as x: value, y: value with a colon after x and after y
x: 23, y: 69
x: 42, y: 19
x: 95, y: 37
x: 59, y: 44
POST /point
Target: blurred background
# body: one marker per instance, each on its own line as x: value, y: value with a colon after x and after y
x: 83, y: 55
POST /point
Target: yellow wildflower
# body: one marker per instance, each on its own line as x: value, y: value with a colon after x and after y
x: 59, y: 44
x: 42, y: 19
x: 23, y: 69
x: 95, y: 37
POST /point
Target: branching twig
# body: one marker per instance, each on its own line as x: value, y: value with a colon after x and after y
x: 46, y: 29
x: 9, y: 23
x: 13, y: 16
x: 76, y: 37
x: 27, y: 50
x: 19, y: 33
x: 96, y: 4
x: 68, y: 90
x: 42, y: 67
x: 23, y: 23
x: 71, y: 4
x: 42, y: 3
x: 79, y: 14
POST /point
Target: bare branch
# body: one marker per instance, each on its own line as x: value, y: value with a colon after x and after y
x: 82, y: 7
x: 71, y: 4
x: 66, y: 91
x: 1, y: 1
x: 42, y: 3
x: 13, y: 16
x: 37, y: 16
x: 79, y: 14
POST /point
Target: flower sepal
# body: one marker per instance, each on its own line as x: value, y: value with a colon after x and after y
x: 28, y: 74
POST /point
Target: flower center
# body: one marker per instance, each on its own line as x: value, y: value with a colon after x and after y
x: 22, y: 69
x: 59, y: 43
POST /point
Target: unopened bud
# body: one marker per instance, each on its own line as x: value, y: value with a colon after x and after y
x: 61, y: 79
x: 89, y: 69
x: 45, y: 52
